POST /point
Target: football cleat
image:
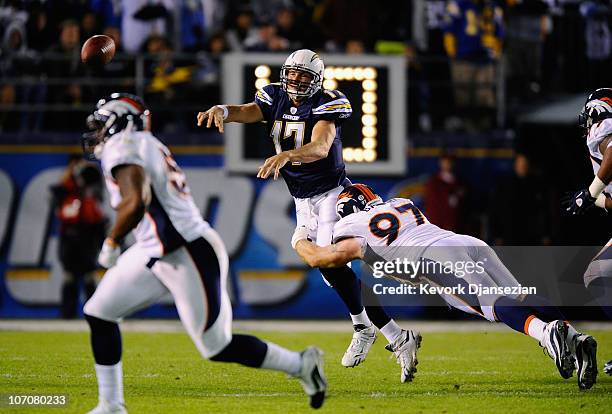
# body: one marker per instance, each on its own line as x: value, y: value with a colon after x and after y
x: 586, y: 360
x: 405, y: 350
x: 312, y: 377
x: 105, y: 407
x: 608, y: 367
x: 557, y: 347
x: 362, y: 341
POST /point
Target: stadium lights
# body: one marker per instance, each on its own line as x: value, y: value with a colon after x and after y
x: 369, y: 85
x: 369, y: 73
x: 368, y: 108
x: 369, y: 143
x: 369, y: 132
x: 369, y: 155
x: 369, y: 97
x: 262, y: 73
x: 358, y: 73
x: 330, y: 84
x: 366, y: 76
x: 369, y: 120
x: 347, y: 154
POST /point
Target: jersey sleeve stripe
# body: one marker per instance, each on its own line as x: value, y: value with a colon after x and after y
x: 263, y: 96
x: 333, y: 111
x: 337, y: 107
x: 341, y: 101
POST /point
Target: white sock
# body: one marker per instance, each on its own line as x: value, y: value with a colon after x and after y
x: 391, y: 331
x: 535, y: 329
x: 110, y: 383
x: 281, y: 359
x: 361, y: 319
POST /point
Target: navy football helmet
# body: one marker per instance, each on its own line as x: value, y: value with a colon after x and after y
x: 118, y: 112
x: 355, y: 198
x: 597, y: 107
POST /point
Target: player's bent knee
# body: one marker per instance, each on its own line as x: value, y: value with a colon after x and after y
x: 94, y: 309
x: 218, y: 355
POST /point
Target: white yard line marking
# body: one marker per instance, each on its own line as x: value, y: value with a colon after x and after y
x: 142, y: 325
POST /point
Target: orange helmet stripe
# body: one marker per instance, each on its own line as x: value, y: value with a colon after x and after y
x: 369, y: 195
x: 133, y: 102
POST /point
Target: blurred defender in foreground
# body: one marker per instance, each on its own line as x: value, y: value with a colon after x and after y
x: 176, y: 251
x: 378, y: 231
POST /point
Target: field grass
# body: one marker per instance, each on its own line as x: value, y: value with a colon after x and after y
x: 457, y: 372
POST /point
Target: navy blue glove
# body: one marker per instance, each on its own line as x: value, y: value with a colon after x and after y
x: 578, y: 203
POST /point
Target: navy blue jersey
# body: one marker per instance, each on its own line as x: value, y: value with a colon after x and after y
x: 290, y: 127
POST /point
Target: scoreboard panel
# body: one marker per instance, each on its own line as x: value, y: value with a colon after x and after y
x: 373, y: 138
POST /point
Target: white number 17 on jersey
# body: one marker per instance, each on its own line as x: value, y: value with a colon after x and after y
x: 292, y: 129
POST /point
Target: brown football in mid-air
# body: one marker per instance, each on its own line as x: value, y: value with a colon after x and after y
x: 98, y: 50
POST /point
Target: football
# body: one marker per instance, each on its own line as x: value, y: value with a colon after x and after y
x: 98, y: 50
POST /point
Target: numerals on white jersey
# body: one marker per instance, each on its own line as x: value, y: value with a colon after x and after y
x: 388, y: 224
x: 175, y: 174
x: 292, y: 129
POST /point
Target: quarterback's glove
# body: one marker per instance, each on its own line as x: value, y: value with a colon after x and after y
x: 109, y: 254
x: 300, y: 233
x: 578, y: 203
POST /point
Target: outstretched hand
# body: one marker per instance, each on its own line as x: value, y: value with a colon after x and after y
x: 274, y: 163
x: 214, y: 114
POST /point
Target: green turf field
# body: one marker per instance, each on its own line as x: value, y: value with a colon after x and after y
x: 458, y: 372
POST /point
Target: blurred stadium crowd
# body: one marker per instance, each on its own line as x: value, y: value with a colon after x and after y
x: 472, y: 64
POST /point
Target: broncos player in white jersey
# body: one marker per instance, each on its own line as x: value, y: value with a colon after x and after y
x: 304, y: 122
x: 596, y: 120
x: 176, y: 251
x: 380, y: 232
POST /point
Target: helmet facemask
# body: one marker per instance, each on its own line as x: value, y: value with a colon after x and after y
x: 93, y: 140
x: 297, y: 89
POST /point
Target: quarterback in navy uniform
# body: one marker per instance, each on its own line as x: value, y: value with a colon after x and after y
x: 304, y: 122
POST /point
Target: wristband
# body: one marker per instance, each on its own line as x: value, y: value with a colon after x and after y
x: 596, y: 187
x: 601, y: 201
x: 225, y: 111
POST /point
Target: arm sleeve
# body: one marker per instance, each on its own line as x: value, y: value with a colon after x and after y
x: 333, y: 106
x: 264, y: 98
